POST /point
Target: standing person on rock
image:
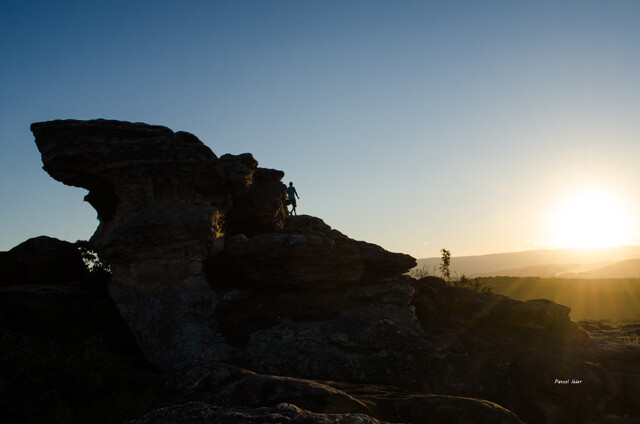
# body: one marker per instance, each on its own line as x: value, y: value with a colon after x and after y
x: 291, y: 198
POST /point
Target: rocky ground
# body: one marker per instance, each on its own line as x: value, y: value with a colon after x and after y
x: 249, y: 315
x: 613, y: 334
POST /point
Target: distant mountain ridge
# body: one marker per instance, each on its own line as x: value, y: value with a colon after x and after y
x: 611, y: 262
x: 629, y: 268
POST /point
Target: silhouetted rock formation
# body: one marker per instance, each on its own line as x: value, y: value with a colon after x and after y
x: 63, y: 343
x: 41, y: 260
x: 208, y: 268
x: 307, y: 254
x: 159, y: 197
x: 55, y: 296
x: 167, y: 207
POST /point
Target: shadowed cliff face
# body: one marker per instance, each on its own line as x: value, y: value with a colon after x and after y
x: 208, y: 267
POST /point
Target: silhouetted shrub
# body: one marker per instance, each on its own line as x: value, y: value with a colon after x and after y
x: 91, y: 258
x: 422, y: 272
x: 470, y: 283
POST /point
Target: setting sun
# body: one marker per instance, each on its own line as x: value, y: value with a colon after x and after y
x: 591, y: 218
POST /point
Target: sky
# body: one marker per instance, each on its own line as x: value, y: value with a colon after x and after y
x: 415, y: 125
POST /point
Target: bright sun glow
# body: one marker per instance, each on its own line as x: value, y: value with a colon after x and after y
x: 591, y: 218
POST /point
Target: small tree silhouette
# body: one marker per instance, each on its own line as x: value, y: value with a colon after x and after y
x: 452, y: 278
x: 444, y: 264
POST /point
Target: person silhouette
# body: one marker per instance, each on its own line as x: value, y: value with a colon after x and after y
x: 291, y: 198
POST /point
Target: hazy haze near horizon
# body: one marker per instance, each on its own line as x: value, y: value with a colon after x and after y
x: 608, y: 262
x: 414, y: 125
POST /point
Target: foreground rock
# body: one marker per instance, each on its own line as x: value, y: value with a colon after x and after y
x: 223, y: 393
x: 203, y: 413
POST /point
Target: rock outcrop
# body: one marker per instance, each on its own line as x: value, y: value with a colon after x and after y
x: 41, y: 260
x: 66, y: 354
x: 159, y: 197
x: 308, y: 255
x: 208, y: 268
x: 171, y: 212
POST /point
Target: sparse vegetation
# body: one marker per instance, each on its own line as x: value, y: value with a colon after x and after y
x: 634, y: 340
x: 609, y: 332
x: 451, y: 278
x: 445, y: 262
x: 90, y: 257
x: 471, y: 283
x: 423, y: 271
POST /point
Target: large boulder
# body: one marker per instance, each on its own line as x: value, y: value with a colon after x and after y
x: 42, y: 260
x: 307, y: 255
x: 57, y: 299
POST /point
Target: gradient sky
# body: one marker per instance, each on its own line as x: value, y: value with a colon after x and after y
x: 415, y: 125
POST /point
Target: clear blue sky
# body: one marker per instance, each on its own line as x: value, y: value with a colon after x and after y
x: 415, y: 125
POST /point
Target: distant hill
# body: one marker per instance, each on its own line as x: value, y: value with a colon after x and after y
x: 542, y: 263
x: 629, y: 268
x: 546, y: 270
